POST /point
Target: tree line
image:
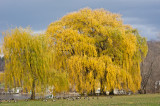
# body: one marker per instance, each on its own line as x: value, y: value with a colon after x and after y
x: 87, y: 49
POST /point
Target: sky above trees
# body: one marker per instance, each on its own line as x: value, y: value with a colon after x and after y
x: 141, y: 14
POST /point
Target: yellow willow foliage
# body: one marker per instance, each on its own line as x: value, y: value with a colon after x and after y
x: 85, y: 72
x: 69, y: 42
x: 28, y: 60
x: 98, y: 50
x: 116, y: 80
x: 1, y: 78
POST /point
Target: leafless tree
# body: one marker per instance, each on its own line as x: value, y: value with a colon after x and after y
x: 150, y: 68
x: 145, y: 77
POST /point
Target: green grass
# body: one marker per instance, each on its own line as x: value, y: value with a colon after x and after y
x: 132, y: 100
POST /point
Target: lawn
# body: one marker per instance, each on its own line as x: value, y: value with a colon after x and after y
x: 129, y: 100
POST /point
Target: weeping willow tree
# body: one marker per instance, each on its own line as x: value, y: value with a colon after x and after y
x: 28, y: 62
x: 96, y: 49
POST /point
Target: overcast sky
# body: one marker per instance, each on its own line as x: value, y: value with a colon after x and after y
x: 141, y: 14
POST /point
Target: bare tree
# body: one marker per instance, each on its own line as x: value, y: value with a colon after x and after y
x: 145, y: 78
x: 150, y: 68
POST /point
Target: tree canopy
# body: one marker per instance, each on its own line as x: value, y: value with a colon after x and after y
x: 86, y: 49
x: 28, y: 61
x: 96, y: 49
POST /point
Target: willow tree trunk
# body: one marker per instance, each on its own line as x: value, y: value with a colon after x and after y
x: 33, y: 95
x: 102, y: 88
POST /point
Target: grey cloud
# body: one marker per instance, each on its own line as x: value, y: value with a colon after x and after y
x: 40, y: 13
x: 148, y: 31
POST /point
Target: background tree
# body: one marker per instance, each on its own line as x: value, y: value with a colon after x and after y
x: 28, y: 61
x: 2, y: 64
x: 150, y: 68
x: 98, y: 50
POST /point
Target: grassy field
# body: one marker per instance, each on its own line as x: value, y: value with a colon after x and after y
x: 129, y: 100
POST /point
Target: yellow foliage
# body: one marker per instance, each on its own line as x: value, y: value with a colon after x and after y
x: 96, y: 49
x: 2, y: 77
x: 29, y: 60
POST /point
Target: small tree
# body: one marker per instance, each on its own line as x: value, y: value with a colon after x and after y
x: 28, y: 61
